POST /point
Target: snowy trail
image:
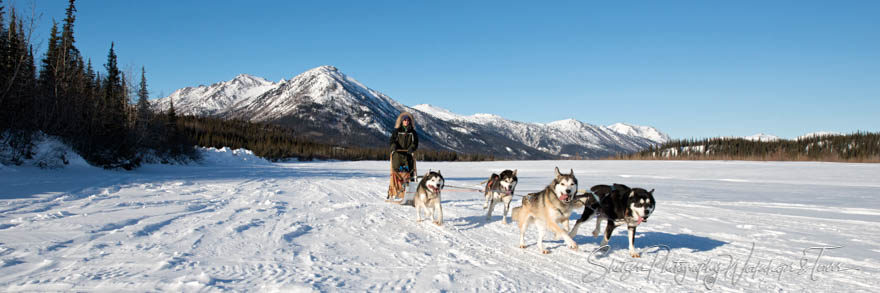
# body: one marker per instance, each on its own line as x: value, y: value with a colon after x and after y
x: 324, y: 226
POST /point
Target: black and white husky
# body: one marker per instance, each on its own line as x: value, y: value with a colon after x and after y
x: 619, y: 205
x: 428, y: 197
x: 499, y: 189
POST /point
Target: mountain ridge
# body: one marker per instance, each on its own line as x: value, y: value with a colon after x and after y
x: 325, y: 104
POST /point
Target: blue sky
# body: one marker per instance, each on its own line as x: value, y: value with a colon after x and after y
x: 690, y: 68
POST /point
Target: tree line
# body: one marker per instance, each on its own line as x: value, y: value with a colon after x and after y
x: 275, y: 142
x: 65, y: 96
x: 108, y: 120
x: 855, y: 147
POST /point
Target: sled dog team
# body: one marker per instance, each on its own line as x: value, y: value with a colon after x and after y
x: 550, y: 208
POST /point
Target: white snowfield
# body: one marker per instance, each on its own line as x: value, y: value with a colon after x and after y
x: 242, y: 224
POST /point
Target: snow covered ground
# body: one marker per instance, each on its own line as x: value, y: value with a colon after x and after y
x: 240, y: 223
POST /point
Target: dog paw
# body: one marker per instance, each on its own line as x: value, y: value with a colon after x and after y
x: 438, y: 223
x: 522, y: 246
x: 573, y: 246
x: 595, y: 234
x: 419, y: 220
x: 544, y: 251
x: 635, y: 254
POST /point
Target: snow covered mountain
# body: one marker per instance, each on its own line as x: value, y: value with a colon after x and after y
x: 564, y: 138
x: 216, y: 98
x: 761, y: 137
x: 326, y: 105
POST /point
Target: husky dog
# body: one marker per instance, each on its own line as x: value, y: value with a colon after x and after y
x: 549, y: 208
x: 619, y: 205
x: 592, y: 206
x: 499, y: 189
x: 428, y: 197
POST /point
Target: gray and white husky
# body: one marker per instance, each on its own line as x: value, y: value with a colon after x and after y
x: 549, y: 209
x: 499, y: 189
x: 428, y: 197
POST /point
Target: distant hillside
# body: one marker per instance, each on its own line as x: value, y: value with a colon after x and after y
x: 856, y: 147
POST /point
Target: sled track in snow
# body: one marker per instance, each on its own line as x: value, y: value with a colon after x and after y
x: 299, y: 227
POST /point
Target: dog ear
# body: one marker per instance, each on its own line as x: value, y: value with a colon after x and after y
x: 571, y: 172
x: 438, y: 173
x: 632, y: 193
x: 651, y: 192
x: 514, y: 172
x: 557, y: 171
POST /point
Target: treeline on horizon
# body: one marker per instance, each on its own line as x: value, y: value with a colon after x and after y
x: 276, y: 143
x: 855, y: 147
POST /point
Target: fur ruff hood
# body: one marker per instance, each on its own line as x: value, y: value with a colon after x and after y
x: 412, y: 122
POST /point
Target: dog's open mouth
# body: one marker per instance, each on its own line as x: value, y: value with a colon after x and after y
x: 433, y: 188
x: 564, y: 197
x: 641, y: 219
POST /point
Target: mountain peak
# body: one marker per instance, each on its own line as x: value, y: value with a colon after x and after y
x: 644, y: 131
x: 437, y: 112
x: 569, y: 121
x: 323, y: 69
x: 248, y: 79
x: 762, y: 137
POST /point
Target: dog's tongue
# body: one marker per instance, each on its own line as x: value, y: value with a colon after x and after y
x: 564, y: 197
x: 641, y: 220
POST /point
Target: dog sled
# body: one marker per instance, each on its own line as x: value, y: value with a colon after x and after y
x: 401, y: 182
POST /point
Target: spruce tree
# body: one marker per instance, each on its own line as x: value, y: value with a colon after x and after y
x: 113, y: 89
x: 144, y: 114
x: 69, y: 54
x: 49, y: 65
x: 119, y: 149
x: 4, y: 70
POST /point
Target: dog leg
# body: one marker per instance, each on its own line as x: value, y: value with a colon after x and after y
x: 523, y: 225
x: 488, y: 196
x: 574, y: 230
x: 491, y: 207
x: 564, y: 225
x: 541, y: 231
x: 418, y: 211
x: 598, y: 224
x: 609, y: 229
x: 554, y: 227
x: 439, y: 210
x: 506, y: 200
x: 430, y: 212
x: 632, y: 238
